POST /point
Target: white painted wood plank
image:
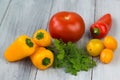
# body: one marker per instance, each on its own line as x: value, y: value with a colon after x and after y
x: 86, y: 9
x: 22, y: 17
x: 3, y: 7
x: 109, y: 71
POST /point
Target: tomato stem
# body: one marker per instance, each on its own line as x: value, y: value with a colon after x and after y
x: 67, y: 17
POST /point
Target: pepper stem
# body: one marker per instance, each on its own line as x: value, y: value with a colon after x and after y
x: 40, y: 35
x: 45, y: 61
x: 29, y: 42
x: 96, y: 31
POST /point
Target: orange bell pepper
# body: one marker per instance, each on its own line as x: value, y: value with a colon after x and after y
x: 42, y: 58
x: 42, y: 38
x: 22, y: 47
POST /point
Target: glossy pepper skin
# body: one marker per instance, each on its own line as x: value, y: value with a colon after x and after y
x: 22, y: 47
x: 42, y: 38
x: 101, y: 27
x: 42, y: 58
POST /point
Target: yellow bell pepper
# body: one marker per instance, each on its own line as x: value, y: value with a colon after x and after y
x: 22, y: 47
x: 42, y: 38
x: 42, y: 58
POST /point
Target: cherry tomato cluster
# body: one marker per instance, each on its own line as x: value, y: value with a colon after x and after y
x: 105, y: 49
x: 107, y: 54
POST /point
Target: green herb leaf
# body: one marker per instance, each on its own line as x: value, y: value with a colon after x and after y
x: 68, y: 56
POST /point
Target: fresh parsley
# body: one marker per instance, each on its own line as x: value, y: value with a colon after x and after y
x: 70, y: 57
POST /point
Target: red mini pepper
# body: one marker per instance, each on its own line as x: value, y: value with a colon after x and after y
x: 101, y: 27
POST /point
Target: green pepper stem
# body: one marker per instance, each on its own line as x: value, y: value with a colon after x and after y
x: 40, y: 35
x: 29, y: 42
x: 96, y: 31
x: 45, y: 61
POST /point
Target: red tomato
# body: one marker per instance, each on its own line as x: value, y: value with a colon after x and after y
x: 68, y: 26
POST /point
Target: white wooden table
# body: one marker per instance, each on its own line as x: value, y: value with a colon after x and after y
x: 25, y: 16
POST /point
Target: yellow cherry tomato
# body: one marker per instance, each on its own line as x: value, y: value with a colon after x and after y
x: 94, y: 47
x: 106, y: 56
x: 110, y: 42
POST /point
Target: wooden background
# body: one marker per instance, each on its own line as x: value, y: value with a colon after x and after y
x: 26, y: 16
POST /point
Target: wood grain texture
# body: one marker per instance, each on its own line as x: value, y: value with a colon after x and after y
x: 4, y: 4
x: 22, y: 17
x: 109, y: 71
x: 26, y: 16
x: 86, y: 9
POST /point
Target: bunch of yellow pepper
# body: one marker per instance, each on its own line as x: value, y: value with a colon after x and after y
x: 34, y: 48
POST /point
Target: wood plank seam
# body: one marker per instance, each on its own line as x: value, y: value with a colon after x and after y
x: 46, y: 29
x: 5, y: 12
x: 35, y: 74
x: 50, y: 12
x: 90, y: 36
